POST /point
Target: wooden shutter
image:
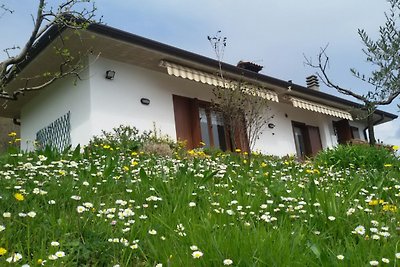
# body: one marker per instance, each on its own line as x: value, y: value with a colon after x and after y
x: 187, y: 122
x: 343, y: 131
x: 315, y: 144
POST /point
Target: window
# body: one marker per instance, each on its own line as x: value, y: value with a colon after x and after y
x: 299, y: 141
x: 212, y: 128
x: 307, y: 139
x: 196, y: 122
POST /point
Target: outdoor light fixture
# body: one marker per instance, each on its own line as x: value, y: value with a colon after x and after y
x: 271, y: 125
x: 145, y: 101
x: 110, y: 74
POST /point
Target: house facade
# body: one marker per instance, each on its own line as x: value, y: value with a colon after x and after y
x: 135, y: 81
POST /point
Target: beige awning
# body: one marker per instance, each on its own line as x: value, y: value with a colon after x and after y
x: 320, y: 108
x: 210, y: 79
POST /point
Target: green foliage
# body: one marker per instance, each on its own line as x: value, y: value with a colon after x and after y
x: 357, y: 156
x: 106, y: 206
x: 125, y: 138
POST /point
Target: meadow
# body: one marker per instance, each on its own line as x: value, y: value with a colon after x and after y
x: 109, y: 205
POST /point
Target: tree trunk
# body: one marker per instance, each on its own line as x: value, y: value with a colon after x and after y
x: 371, y: 132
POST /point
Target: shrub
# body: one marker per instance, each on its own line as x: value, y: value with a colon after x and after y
x: 126, y: 138
x: 357, y: 156
x: 160, y: 149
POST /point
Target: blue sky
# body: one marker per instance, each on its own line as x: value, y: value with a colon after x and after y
x: 271, y: 33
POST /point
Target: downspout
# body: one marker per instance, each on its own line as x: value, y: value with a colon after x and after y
x: 375, y: 123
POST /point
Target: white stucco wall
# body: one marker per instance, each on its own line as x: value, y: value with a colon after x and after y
x: 280, y: 140
x: 116, y: 102
x: 54, y: 102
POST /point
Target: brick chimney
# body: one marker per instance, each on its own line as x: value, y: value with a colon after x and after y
x: 312, y: 82
x: 249, y: 66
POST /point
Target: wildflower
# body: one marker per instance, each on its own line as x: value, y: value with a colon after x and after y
x: 14, y: 258
x: 197, y: 254
x: 360, y: 230
x: 2, y: 251
x: 192, y: 204
x: 134, y: 246
x: 385, y: 260
x: 32, y: 214
x: 389, y: 207
x: 374, y: 263
x: 227, y: 262
x: 12, y: 134
x: 375, y: 237
x: 53, y: 257
x: 19, y: 196
x: 373, y: 202
x: 7, y: 215
x: 388, y: 165
x: 194, y: 247
x: 2, y: 228
x: 60, y: 254
x: 159, y: 265
x: 331, y: 218
x: 340, y: 257
x: 395, y: 148
x: 80, y: 209
x: 152, y: 232
x: 54, y: 244
x: 397, y: 255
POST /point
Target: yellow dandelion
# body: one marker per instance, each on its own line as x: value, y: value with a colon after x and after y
x: 237, y: 150
x: 389, y: 207
x: 395, y: 148
x: 373, y: 202
x: 126, y: 168
x: 19, y: 196
x: 388, y: 165
x: 12, y: 134
x: 3, y: 251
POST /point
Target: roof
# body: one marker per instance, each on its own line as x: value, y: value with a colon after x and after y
x: 109, y: 40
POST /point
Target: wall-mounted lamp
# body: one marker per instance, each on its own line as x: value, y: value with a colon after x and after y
x: 145, y: 101
x: 271, y: 125
x: 110, y: 74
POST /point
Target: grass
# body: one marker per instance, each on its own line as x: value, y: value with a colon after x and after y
x: 108, y: 207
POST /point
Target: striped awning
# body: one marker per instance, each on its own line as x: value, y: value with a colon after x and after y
x: 320, y: 108
x: 210, y: 79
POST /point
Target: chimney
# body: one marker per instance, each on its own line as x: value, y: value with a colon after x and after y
x: 312, y: 82
x: 249, y: 66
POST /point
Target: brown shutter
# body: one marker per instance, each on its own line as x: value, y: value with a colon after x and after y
x: 343, y: 131
x: 187, y: 122
x: 315, y: 144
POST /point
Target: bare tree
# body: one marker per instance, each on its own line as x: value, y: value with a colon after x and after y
x: 242, y: 105
x: 73, y: 14
x: 384, y: 55
x: 4, y: 10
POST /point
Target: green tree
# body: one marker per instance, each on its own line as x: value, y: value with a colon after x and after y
x: 74, y: 14
x: 384, y: 55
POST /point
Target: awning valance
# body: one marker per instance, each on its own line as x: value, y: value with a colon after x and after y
x: 210, y: 79
x: 320, y: 108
